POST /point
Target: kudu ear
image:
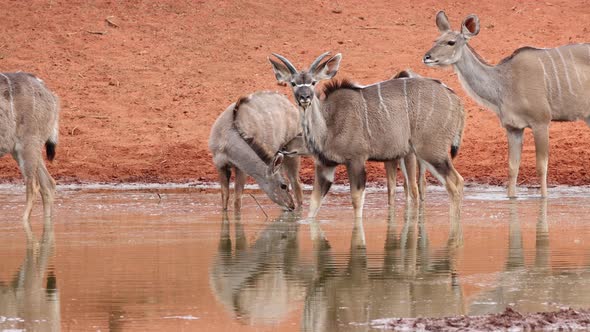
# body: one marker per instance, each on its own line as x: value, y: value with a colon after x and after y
x: 442, y: 22
x: 276, y: 163
x: 470, y: 26
x: 282, y: 73
x: 327, y: 69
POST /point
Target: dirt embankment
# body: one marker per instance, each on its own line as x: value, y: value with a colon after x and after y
x: 139, y: 96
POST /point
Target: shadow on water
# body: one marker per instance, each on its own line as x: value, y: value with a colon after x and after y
x: 536, y: 286
x: 263, y: 282
x: 31, y: 301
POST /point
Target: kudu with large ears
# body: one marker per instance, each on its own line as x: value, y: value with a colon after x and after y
x: 247, y: 137
x: 298, y: 146
x: 528, y: 89
x: 384, y: 121
x: 29, y: 114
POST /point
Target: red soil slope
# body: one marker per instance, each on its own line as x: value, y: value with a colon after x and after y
x: 138, y: 97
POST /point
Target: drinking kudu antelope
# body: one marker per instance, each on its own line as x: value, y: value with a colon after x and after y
x: 528, y: 89
x: 382, y: 121
x: 247, y: 137
x: 29, y: 114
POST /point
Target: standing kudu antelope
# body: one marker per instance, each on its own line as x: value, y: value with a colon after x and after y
x: 29, y: 114
x: 379, y: 122
x: 247, y: 137
x: 412, y: 190
x: 528, y: 89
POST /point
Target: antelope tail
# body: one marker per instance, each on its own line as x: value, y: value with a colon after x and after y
x: 51, y: 143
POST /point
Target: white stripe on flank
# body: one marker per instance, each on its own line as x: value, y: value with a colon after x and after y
x: 425, y: 118
x: 433, y: 102
x: 569, y: 51
x: 418, y: 105
x: 10, y: 95
x: 34, y: 101
x: 449, y: 114
x: 449, y: 98
x: 546, y: 80
x: 555, y: 72
x: 406, y: 96
x: 407, y: 102
x: 382, y: 102
x: 365, y: 111
x: 567, y: 75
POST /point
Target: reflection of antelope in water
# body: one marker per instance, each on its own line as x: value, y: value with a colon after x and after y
x: 258, y: 283
x: 410, y: 283
x: 29, y: 298
x: 533, y: 288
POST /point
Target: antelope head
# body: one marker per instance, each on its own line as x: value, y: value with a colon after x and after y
x: 280, y: 193
x: 448, y: 47
x: 303, y: 82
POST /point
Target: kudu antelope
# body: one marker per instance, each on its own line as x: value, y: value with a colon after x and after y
x: 246, y: 136
x: 380, y: 122
x: 412, y: 190
x: 29, y: 114
x: 528, y: 89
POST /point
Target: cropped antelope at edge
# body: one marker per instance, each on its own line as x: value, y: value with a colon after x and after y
x: 248, y: 136
x: 528, y: 89
x: 384, y: 121
x: 29, y: 114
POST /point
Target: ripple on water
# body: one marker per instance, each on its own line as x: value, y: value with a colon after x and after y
x: 166, y: 258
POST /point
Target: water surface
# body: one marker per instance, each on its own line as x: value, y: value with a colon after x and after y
x: 153, y: 259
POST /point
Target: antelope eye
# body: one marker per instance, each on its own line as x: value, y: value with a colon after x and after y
x: 283, y: 186
x: 451, y: 42
x: 293, y: 84
x: 313, y: 82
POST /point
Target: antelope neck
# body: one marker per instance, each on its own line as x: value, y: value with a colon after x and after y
x: 482, y: 81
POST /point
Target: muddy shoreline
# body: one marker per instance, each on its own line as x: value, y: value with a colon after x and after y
x: 510, y: 320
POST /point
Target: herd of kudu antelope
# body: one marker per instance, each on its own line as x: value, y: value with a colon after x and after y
x: 408, y: 120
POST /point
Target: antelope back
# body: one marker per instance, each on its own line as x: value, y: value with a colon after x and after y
x: 381, y: 120
x: 557, y: 79
x: 268, y: 121
x: 28, y: 110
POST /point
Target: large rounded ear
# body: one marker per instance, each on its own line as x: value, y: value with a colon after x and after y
x: 282, y: 73
x: 470, y: 26
x: 276, y: 163
x: 327, y: 69
x: 442, y: 22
